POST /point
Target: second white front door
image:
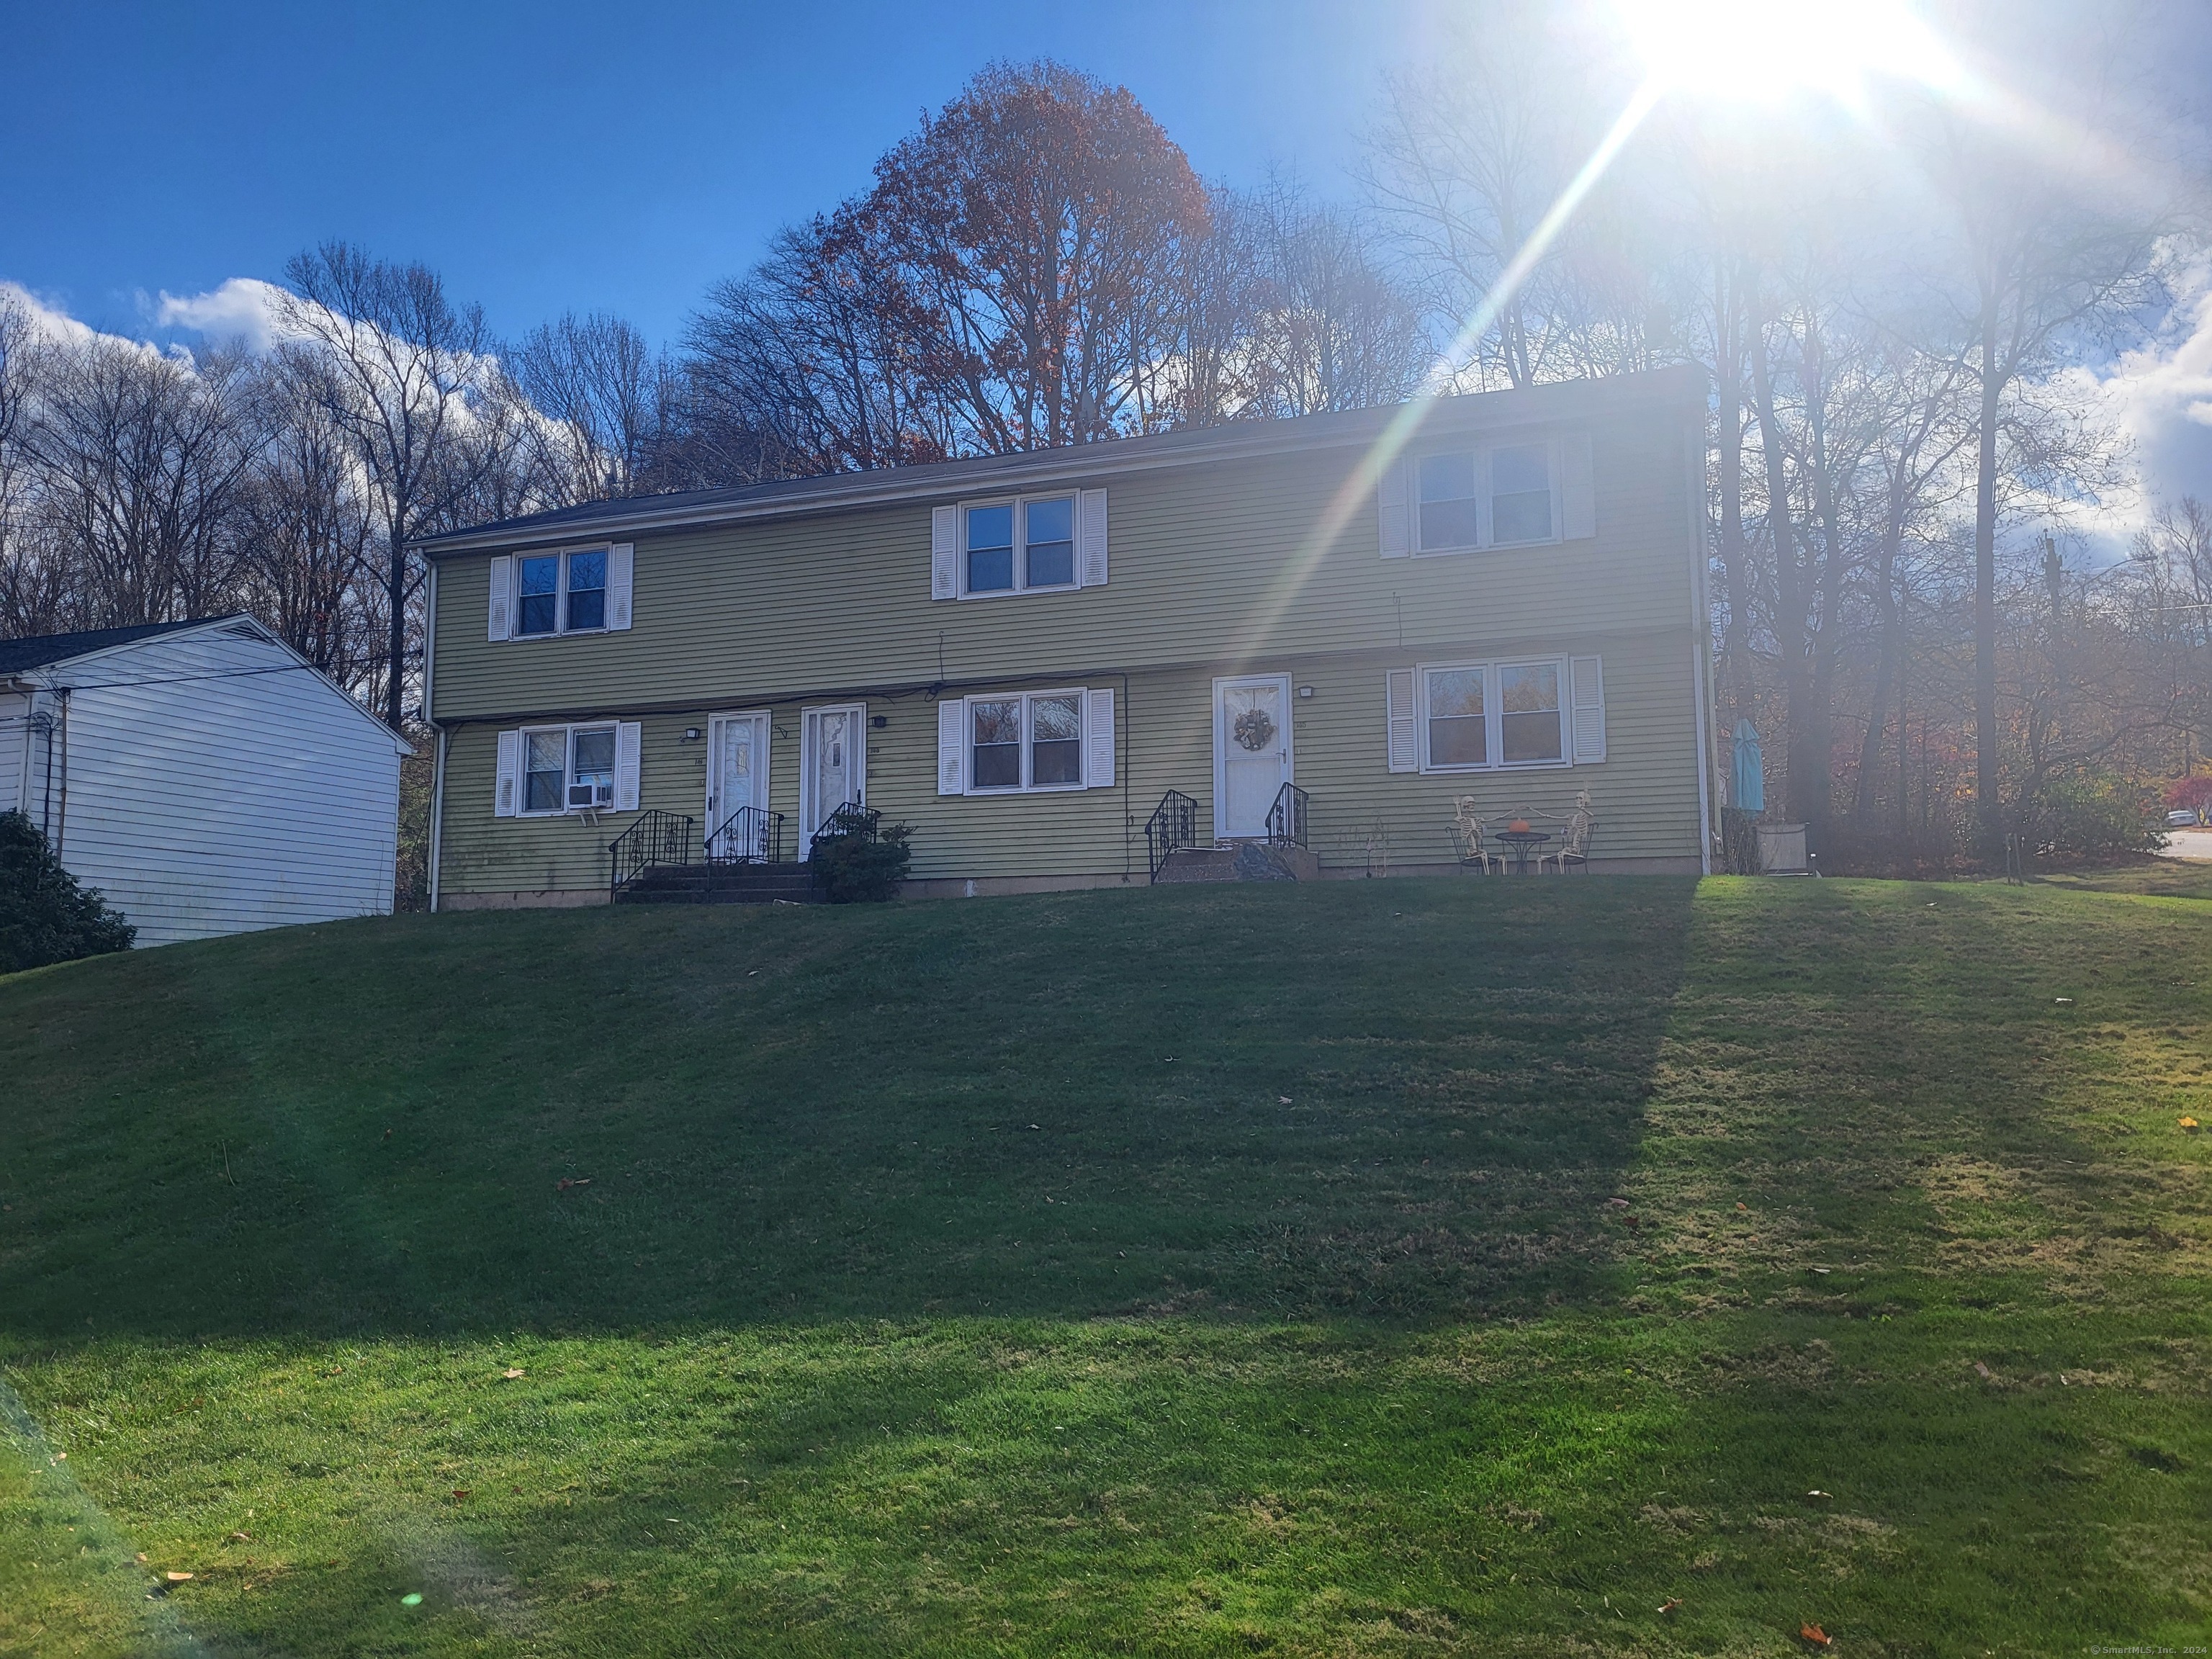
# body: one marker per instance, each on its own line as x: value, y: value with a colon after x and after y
x: 737, y: 777
x: 833, y: 765
x: 1251, y: 752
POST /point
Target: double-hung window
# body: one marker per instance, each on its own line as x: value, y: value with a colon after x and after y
x: 1029, y: 741
x: 1497, y: 498
x: 1014, y: 547
x: 1478, y: 716
x: 568, y: 767
x: 561, y: 593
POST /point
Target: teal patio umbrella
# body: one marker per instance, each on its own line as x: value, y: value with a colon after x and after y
x: 1746, y: 773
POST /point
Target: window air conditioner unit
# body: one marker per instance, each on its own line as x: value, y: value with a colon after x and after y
x: 587, y: 796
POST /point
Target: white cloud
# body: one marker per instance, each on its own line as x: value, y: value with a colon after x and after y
x: 50, y: 321
x: 241, y: 308
x: 2160, y: 393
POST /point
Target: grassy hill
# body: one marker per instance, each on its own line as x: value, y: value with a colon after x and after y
x: 1393, y: 1267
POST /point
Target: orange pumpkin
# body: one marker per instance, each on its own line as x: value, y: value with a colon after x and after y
x: 1519, y: 826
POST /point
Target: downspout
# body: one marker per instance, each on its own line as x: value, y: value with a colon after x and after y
x: 437, y: 814
x: 1701, y: 638
x: 438, y: 757
x: 61, y: 816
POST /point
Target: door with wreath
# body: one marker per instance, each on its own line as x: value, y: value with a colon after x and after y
x: 1252, y: 758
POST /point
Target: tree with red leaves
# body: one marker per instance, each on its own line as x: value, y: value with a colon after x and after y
x: 1037, y: 225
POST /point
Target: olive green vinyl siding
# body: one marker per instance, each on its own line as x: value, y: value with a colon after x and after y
x: 1363, y: 816
x: 1210, y: 563
x: 1216, y: 569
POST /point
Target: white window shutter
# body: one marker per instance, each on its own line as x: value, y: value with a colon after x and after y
x: 501, y: 623
x: 945, y: 553
x: 952, y: 746
x: 1098, y: 739
x: 1392, y: 515
x: 621, y: 562
x: 628, y: 740
x: 1577, y: 490
x: 1587, y: 678
x: 1091, y: 510
x: 1404, y: 756
x: 509, y: 788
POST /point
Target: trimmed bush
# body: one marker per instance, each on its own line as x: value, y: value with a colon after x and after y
x: 856, y: 859
x: 2091, y: 815
x: 45, y: 915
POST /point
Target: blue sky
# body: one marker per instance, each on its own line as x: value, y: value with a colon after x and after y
x: 561, y: 155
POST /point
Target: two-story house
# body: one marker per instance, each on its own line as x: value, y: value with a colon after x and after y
x: 1498, y: 596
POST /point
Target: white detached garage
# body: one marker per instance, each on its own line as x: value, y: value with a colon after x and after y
x: 202, y: 774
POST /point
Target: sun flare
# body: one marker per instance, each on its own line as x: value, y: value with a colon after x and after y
x: 1764, y: 51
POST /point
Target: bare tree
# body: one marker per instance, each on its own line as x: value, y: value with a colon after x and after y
x: 399, y: 370
x: 602, y: 395
x: 139, y: 460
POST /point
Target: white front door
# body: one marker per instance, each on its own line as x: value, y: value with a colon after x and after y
x: 833, y: 765
x: 737, y: 777
x: 1251, y: 752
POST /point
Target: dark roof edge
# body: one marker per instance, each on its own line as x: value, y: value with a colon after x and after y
x: 1554, y: 400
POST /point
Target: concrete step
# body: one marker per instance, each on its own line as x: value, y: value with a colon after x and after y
x: 721, y: 884
x: 1249, y: 860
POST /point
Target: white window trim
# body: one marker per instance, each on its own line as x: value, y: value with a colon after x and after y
x: 1020, y: 504
x: 561, y: 628
x: 1025, y: 788
x: 524, y: 810
x: 1493, y: 715
x: 1485, y: 540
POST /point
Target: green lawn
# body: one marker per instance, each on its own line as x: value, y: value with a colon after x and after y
x: 1183, y: 1270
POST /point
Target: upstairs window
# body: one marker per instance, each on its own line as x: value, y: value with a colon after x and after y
x: 1499, y: 497
x: 1521, y: 493
x: 587, y: 591
x: 1014, y: 547
x: 1048, y: 543
x: 540, y: 610
x: 1447, y: 501
x: 561, y: 593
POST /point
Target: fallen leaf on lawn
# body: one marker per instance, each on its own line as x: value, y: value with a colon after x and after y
x: 412, y: 1599
x: 1282, y: 1100
x: 241, y: 1538
x: 176, y: 1577
x: 1746, y: 1208
x: 2190, y: 1124
x: 1817, y: 1492
x: 1984, y: 1372
x: 1816, y: 1636
x: 1823, y: 1270
x: 460, y: 1492
x: 1670, y: 1604
x: 2061, y: 998
x: 512, y: 1372
x: 1622, y: 1203
x: 564, y: 1184
x: 141, y: 1557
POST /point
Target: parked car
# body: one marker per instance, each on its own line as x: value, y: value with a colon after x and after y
x: 2181, y: 818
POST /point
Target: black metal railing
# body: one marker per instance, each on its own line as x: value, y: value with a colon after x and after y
x: 1287, y: 818
x: 1174, y: 824
x: 753, y: 835
x: 656, y: 838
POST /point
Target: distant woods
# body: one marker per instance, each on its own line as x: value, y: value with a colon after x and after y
x: 1912, y: 477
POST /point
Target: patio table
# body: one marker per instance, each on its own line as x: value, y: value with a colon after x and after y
x: 1523, y: 843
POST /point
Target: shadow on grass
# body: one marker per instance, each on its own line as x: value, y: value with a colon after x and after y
x: 1401, y: 1099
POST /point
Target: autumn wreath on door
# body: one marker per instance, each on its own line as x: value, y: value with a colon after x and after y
x: 1252, y: 728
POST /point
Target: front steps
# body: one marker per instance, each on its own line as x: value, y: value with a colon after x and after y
x: 721, y: 884
x: 1247, y: 860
